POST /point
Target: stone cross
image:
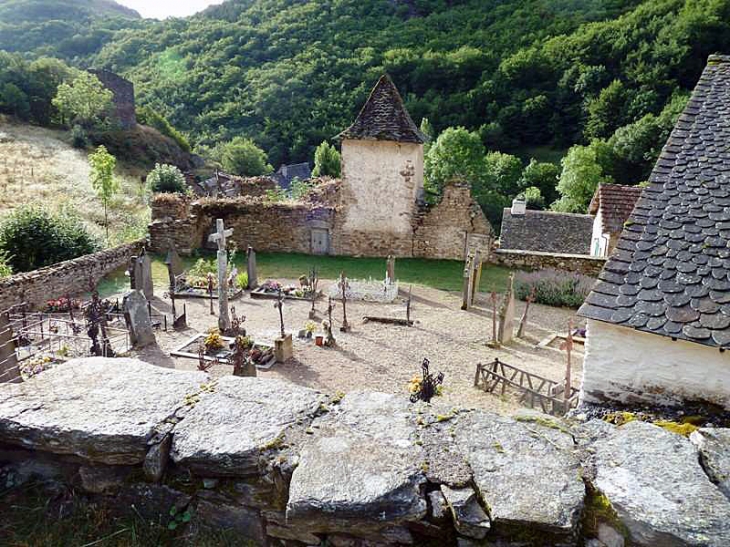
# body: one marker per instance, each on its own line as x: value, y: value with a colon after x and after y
x: 219, y: 237
x: 253, y: 279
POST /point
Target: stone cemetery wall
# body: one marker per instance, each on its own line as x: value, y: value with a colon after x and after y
x: 284, y: 465
x: 436, y: 232
x: 534, y: 260
x: 441, y: 230
x: 69, y: 277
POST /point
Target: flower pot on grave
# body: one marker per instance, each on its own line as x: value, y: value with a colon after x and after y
x: 319, y: 341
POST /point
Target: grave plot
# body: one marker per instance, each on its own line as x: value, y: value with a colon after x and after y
x: 213, y: 348
x: 370, y: 290
x: 191, y: 286
x: 270, y: 289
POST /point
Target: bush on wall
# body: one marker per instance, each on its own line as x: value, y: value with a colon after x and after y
x: 32, y: 237
x: 554, y: 287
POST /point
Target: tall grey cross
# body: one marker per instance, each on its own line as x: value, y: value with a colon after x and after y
x: 219, y: 237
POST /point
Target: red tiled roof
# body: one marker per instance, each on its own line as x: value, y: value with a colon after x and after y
x: 616, y: 203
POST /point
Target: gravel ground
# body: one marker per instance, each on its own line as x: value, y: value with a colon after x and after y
x: 384, y: 357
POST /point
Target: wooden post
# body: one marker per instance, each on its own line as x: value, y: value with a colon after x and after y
x: 568, y: 345
x: 523, y: 321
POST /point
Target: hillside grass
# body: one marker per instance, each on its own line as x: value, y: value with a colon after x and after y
x: 438, y: 274
x: 39, y: 167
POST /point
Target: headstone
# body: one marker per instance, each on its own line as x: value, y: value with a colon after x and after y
x: 8, y: 360
x: 137, y: 316
x: 174, y: 265
x: 468, y: 283
x: 507, y: 314
x: 219, y: 237
x: 283, y: 348
x: 253, y: 280
x: 390, y: 269
x: 141, y: 275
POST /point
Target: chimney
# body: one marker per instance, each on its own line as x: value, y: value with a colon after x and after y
x: 519, y: 206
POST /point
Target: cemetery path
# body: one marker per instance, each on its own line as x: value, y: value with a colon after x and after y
x: 385, y: 357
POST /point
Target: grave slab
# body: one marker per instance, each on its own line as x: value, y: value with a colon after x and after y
x: 102, y: 410
x: 228, y: 430
x: 526, y: 473
x: 655, y: 483
x: 361, y: 462
x: 137, y: 316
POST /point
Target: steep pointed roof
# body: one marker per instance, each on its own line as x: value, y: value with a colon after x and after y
x: 384, y: 117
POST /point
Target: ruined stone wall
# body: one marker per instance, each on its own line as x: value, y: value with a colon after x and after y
x: 533, y: 260
x: 69, y: 277
x: 282, y: 465
x: 123, y: 99
x: 443, y: 229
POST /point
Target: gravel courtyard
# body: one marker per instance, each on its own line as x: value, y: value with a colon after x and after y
x: 382, y: 357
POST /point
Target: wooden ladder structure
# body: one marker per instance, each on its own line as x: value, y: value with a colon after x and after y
x: 536, y: 390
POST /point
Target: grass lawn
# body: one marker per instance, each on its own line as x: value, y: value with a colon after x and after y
x: 439, y: 274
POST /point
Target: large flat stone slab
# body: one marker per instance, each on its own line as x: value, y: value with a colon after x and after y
x: 226, y: 432
x: 103, y: 410
x: 654, y: 481
x: 361, y: 467
x: 527, y: 472
x: 714, y: 447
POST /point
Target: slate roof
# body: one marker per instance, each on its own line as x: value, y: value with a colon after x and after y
x: 384, y: 117
x: 670, y: 272
x: 287, y: 173
x: 546, y: 231
x: 616, y: 202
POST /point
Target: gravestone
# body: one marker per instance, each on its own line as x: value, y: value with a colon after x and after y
x: 219, y: 237
x: 390, y: 269
x: 174, y: 265
x: 137, y: 316
x: 468, y: 283
x: 8, y: 360
x: 507, y: 314
x: 140, y: 275
x: 476, y: 275
x: 253, y: 280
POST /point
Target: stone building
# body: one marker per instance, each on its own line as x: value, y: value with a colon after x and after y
x: 658, y: 318
x: 123, y: 99
x: 611, y: 206
x: 375, y: 210
x: 545, y: 231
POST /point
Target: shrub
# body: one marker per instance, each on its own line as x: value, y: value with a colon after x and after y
x: 79, y: 137
x: 167, y: 179
x: 553, y: 287
x: 5, y: 269
x: 242, y: 157
x: 31, y: 237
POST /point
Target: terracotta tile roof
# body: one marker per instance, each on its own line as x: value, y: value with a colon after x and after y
x: 384, y: 117
x: 616, y: 202
x: 670, y: 272
x: 546, y: 231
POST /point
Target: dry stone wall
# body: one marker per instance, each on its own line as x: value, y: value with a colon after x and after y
x: 284, y: 465
x: 69, y: 277
x: 534, y: 260
x: 438, y: 231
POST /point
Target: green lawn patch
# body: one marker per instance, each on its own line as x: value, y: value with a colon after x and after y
x: 438, y: 274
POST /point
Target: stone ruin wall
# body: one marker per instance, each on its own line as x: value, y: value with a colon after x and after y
x: 441, y: 229
x: 69, y: 277
x: 123, y: 90
x: 534, y: 260
x: 438, y: 231
x: 283, y: 465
